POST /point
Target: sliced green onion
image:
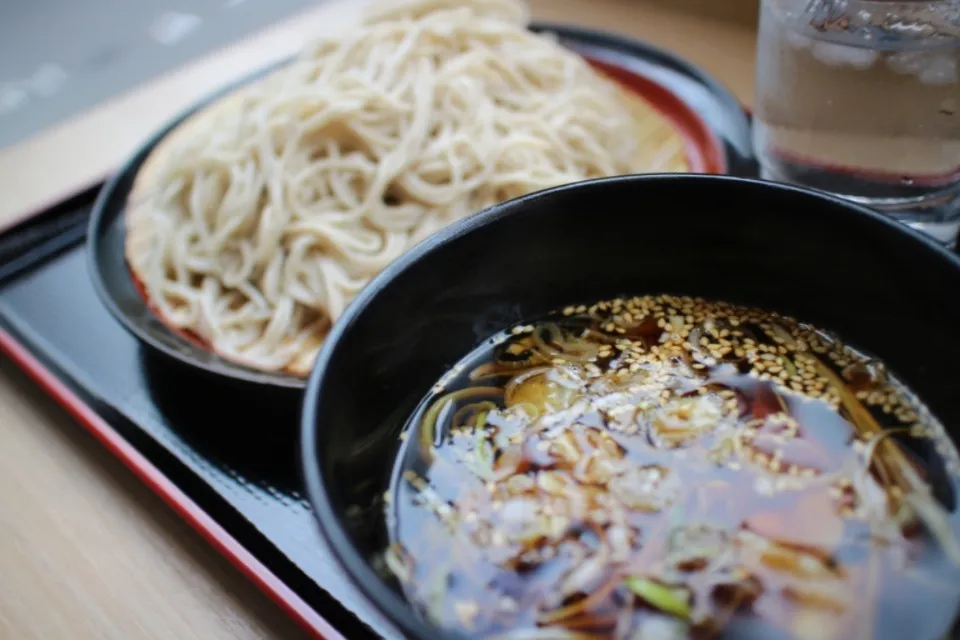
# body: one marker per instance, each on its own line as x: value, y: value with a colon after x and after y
x: 789, y: 366
x: 672, y: 600
x: 484, y: 451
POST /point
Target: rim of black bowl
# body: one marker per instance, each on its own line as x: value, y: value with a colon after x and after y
x: 357, y: 568
x: 153, y: 332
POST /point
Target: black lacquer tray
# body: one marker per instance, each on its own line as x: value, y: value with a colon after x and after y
x: 227, y: 461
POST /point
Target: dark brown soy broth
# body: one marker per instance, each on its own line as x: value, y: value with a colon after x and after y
x: 770, y: 491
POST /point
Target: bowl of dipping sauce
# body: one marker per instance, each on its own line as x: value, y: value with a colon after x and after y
x: 648, y: 406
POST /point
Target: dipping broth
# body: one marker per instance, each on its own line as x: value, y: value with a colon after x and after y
x: 667, y: 467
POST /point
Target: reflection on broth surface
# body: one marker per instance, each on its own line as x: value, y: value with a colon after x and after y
x: 667, y: 467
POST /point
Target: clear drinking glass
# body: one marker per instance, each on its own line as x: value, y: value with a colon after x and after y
x: 862, y: 99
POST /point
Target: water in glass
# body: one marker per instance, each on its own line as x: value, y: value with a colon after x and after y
x: 863, y: 99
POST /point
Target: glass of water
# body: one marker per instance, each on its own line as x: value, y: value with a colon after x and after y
x: 862, y: 98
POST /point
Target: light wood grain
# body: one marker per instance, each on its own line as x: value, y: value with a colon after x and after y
x: 86, y: 552
x: 745, y: 12
x: 66, y: 158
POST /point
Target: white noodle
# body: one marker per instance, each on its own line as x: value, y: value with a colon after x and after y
x: 269, y: 220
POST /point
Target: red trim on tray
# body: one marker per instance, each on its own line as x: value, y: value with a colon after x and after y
x: 704, y: 151
x: 173, y: 496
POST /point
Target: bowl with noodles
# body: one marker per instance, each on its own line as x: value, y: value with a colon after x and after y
x: 735, y: 421
x: 239, y: 234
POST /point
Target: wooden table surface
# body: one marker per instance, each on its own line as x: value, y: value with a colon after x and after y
x: 86, y: 551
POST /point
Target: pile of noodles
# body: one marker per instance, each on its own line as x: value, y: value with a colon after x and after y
x: 260, y: 223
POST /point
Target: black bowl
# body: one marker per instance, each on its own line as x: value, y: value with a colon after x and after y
x: 879, y: 285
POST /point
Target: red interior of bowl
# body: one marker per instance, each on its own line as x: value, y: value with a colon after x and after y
x: 704, y: 152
